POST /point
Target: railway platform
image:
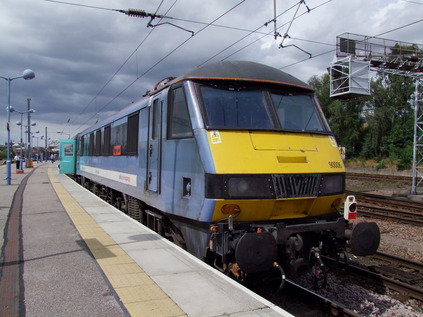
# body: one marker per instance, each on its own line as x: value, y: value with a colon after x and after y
x: 65, y: 252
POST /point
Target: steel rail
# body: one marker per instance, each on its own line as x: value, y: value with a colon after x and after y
x: 334, y: 308
x: 398, y: 286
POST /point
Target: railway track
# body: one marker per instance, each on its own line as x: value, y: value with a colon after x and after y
x: 403, y: 217
x: 402, y: 269
x: 403, y: 276
x: 379, y: 178
x: 397, y: 274
x: 400, y: 277
x: 325, y: 306
x: 386, y: 274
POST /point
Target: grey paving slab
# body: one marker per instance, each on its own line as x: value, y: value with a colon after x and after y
x: 121, y: 226
x: 7, y: 193
x: 60, y: 277
x: 218, y: 302
x: 104, y: 217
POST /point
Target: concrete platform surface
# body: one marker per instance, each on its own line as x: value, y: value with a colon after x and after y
x: 81, y: 257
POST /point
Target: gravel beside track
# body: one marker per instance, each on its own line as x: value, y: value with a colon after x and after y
x: 399, y: 239
x: 402, y: 240
x: 365, y: 301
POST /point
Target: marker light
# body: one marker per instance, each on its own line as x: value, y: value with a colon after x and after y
x: 350, y: 208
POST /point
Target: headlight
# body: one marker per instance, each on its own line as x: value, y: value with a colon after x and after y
x: 239, y: 186
x: 332, y: 184
x: 251, y: 187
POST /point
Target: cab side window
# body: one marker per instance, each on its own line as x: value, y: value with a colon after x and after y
x: 179, y: 124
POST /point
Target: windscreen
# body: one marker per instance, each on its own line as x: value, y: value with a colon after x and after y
x: 296, y: 112
x: 236, y: 108
x: 253, y: 108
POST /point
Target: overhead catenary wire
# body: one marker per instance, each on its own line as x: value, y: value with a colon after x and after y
x: 158, y: 62
x: 269, y: 33
x: 130, y: 12
x: 133, y: 12
x: 206, y: 25
x: 333, y: 50
x: 415, y: 2
x: 163, y: 16
x: 120, y: 68
x: 190, y: 21
x: 251, y: 32
x: 80, y: 5
x: 140, y: 13
x: 294, y: 38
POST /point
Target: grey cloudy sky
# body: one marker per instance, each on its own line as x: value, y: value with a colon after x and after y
x: 91, y: 61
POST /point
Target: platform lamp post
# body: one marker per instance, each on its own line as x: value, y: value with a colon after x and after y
x: 27, y: 74
x: 33, y: 135
x: 20, y: 123
x: 43, y: 151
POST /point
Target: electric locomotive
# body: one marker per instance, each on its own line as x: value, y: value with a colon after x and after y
x: 235, y: 162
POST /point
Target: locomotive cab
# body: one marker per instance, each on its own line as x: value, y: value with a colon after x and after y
x: 274, y: 178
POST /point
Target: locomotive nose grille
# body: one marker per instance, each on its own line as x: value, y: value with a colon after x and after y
x: 292, y: 186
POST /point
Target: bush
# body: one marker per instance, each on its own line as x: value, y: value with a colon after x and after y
x: 405, y: 161
x: 381, y: 165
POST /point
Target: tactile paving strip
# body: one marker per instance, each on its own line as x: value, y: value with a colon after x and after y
x: 138, y: 292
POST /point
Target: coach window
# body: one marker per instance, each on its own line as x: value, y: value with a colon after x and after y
x: 81, y: 146
x: 92, y: 144
x: 86, y: 144
x: 106, y: 141
x: 132, y: 134
x: 119, y: 136
x: 98, y: 142
x: 68, y: 149
x: 179, y: 125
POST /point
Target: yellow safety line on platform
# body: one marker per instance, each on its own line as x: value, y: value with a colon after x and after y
x: 138, y: 292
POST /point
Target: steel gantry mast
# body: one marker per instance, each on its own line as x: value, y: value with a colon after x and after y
x: 357, y: 55
x: 418, y: 139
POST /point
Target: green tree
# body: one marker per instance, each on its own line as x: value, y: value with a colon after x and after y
x: 344, y: 116
x: 390, y: 118
x: 376, y: 126
x: 3, y: 153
